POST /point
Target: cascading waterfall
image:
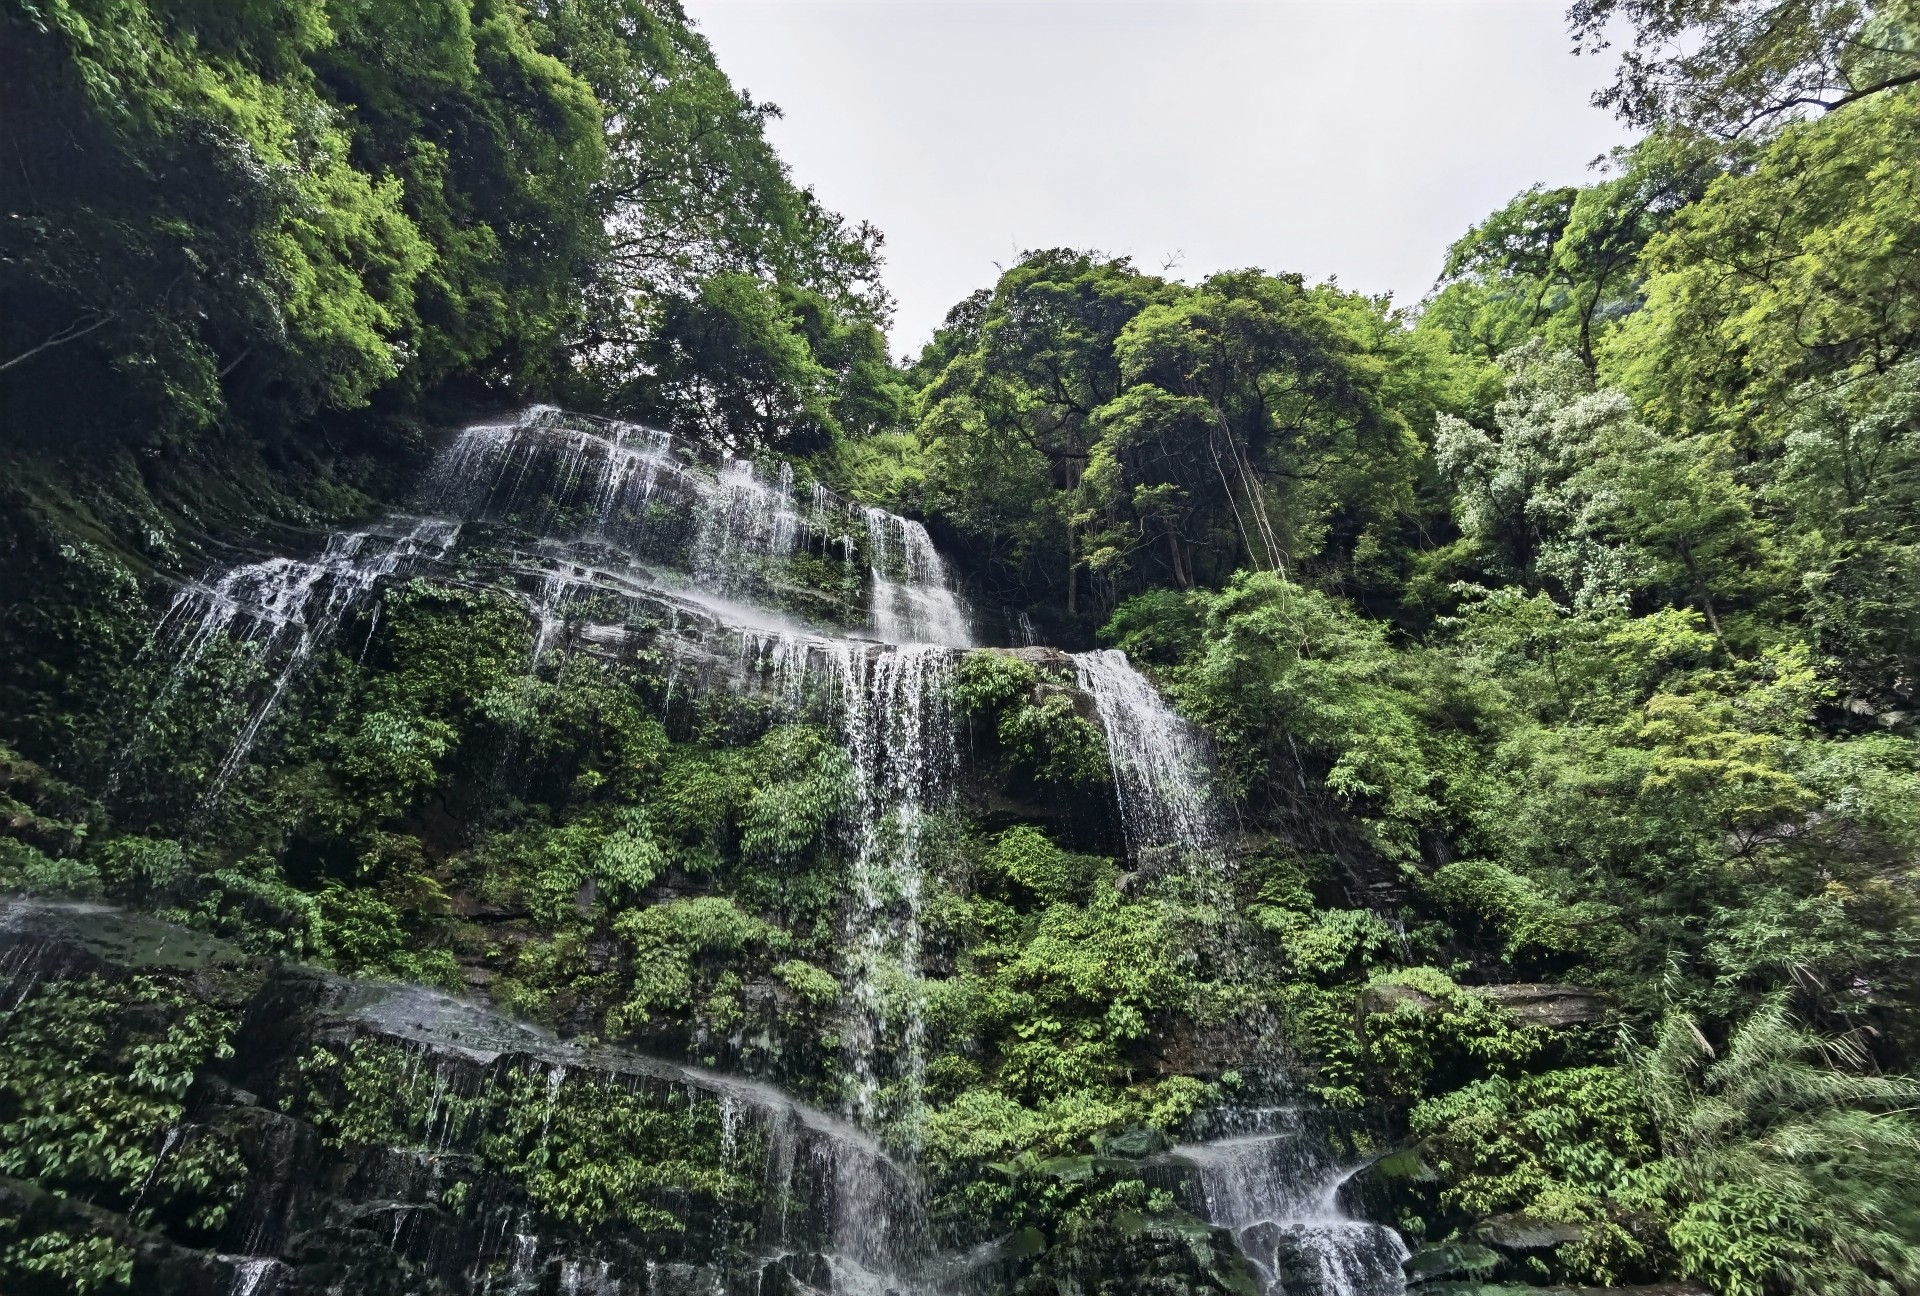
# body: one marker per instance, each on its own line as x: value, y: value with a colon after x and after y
x: 1273, y: 1181
x: 558, y: 472
x: 612, y: 531
x: 745, y: 518
x: 620, y: 518
x: 824, y: 1185
x: 286, y: 607
x: 1162, y: 774
x: 912, y: 598
x: 901, y: 739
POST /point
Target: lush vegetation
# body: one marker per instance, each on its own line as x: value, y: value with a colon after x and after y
x: 1559, y: 634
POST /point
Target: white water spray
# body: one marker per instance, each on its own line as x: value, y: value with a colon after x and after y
x: 1277, y: 1188
x: 901, y: 739
x: 911, y: 598
x: 1162, y: 771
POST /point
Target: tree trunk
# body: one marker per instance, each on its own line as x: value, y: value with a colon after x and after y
x: 1073, y: 582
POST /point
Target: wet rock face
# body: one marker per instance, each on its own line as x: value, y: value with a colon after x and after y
x: 1051, y: 663
x: 1126, y: 1255
x: 1272, y: 1177
x: 388, y: 1139
x: 1391, y: 998
x: 1528, y: 1003
x: 391, y: 1140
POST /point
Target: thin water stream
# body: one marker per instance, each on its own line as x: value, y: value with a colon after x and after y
x: 1162, y: 769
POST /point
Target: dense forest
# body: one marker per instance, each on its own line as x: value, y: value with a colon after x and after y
x: 535, y: 757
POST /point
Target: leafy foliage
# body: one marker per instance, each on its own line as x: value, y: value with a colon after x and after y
x: 1556, y: 642
x: 93, y: 1083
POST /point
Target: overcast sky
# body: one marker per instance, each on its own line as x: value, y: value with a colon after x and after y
x: 1340, y: 138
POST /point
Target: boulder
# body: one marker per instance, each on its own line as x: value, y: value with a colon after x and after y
x: 1451, y: 1260
x: 1050, y: 662
x: 1391, y: 998
x: 1528, y: 1003
x: 1520, y: 1233
x: 1180, y: 1047
x: 1079, y: 699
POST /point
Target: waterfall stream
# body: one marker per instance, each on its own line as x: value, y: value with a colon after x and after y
x: 610, y: 533
x: 1272, y: 1179
x: 824, y: 1184
x: 1162, y: 772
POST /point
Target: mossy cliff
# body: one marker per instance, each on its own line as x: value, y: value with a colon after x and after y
x: 1214, y: 786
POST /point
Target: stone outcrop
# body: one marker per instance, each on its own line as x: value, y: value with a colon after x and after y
x: 1556, y: 1006
x: 1527, y: 1003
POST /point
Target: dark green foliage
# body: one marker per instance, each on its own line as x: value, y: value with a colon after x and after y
x: 1093, y: 431
x: 93, y: 1083
x: 588, y: 1150
x: 1728, y: 66
x: 1042, y: 735
x: 257, y: 214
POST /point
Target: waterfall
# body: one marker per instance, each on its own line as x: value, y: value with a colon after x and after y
x: 615, y: 538
x: 617, y: 516
x: 1274, y: 1183
x: 1271, y: 1179
x: 823, y: 1185
x: 912, y: 599
x: 287, y: 607
x: 558, y: 472
x: 610, y: 516
x: 1162, y: 775
x: 901, y: 737
x: 249, y: 1272
x: 743, y: 518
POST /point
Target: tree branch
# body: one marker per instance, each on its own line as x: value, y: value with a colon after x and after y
x: 70, y: 333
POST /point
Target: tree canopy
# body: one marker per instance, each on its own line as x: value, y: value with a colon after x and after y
x: 272, y: 212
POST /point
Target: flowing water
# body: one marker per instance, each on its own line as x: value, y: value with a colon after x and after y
x: 607, y: 525
x: 1274, y: 1181
x: 902, y: 740
x: 824, y: 1185
x: 912, y: 598
x: 614, y: 536
x: 1271, y: 1177
x: 1162, y: 770
x: 610, y: 530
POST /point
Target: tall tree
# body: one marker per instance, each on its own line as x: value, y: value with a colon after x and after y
x: 1728, y: 66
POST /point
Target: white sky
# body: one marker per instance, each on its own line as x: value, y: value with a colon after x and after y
x: 1339, y: 138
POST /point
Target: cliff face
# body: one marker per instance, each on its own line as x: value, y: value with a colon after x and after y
x: 343, y: 1135
x: 702, y: 909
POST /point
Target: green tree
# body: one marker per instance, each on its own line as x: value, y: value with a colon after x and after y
x: 1804, y: 265
x: 1727, y: 66
x: 1563, y: 264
